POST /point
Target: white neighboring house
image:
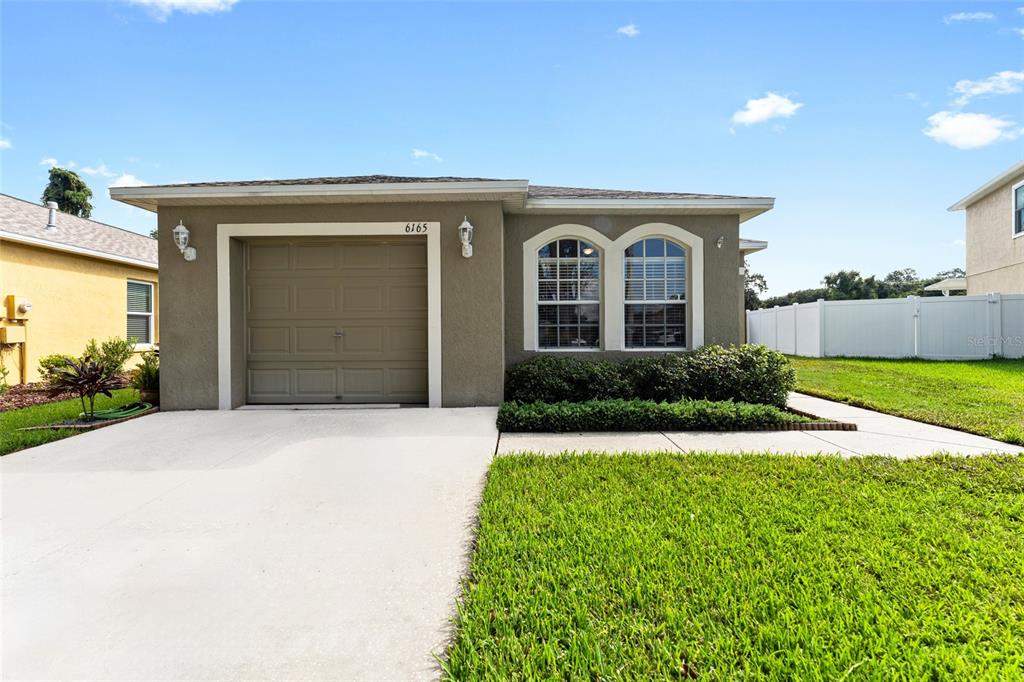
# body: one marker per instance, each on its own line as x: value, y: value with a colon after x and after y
x: 995, y: 234
x: 948, y: 285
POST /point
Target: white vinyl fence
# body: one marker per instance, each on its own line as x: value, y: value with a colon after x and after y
x: 934, y: 327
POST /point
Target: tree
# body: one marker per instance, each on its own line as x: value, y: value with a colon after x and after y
x: 847, y: 285
x: 754, y: 284
x: 69, y: 191
x: 154, y: 233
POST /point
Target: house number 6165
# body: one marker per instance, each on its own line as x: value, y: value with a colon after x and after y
x: 417, y: 228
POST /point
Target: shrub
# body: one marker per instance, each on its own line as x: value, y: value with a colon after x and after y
x: 640, y: 415
x: 111, y: 354
x: 146, y: 377
x: 552, y: 378
x: 86, y: 378
x: 748, y: 373
x: 50, y: 363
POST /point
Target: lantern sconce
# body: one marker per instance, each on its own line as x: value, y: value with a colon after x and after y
x: 721, y: 242
x: 466, y: 237
x: 181, y: 241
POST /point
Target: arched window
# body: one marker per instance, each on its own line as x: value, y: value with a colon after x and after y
x: 655, y: 292
x: 568, y: 295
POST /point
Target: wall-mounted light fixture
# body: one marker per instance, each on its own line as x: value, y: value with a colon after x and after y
x: 721, y: 242
x: 466, y: 237
x: 181, y: 241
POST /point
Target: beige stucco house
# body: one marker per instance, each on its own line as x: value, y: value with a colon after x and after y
x: 995, y: 234
x: 381, y: 289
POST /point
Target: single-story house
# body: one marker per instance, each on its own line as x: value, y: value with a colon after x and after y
x: 994, y: 234
x: 422, y: 290
x: 65, y: 280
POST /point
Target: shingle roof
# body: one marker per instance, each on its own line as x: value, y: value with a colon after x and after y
x: 549, y: 192
x: 534, y: 192
x: 335, y: 180
x: 28, y: 219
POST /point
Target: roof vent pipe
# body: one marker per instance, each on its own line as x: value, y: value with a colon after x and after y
x: 51, y: 221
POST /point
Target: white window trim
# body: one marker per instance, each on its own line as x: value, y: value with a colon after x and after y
x: 1013, y: 211
x: 226, y: 231
x: 613, y: 328
x: 151, y: 314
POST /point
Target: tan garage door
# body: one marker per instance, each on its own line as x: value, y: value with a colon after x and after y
x: 336, y: 320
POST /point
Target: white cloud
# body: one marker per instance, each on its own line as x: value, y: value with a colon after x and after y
x: 629, y: 30
x: 1002, y: 83
x: 770, y: 106
x: 424, y: 154
x: 126, y: 180
x: 5, y: 143
x: 961, y: 17
x: 161, y: 9
x: 1018, y: 31
x: 969, y: 131
x: 959, y: 242
x: 48, y: 161
x: 101, y: 170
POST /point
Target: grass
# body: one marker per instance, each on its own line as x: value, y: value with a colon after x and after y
x: 12, y: 440
x: 985, y: 397
x: 670, y: 566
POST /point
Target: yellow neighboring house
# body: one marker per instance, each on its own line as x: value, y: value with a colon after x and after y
x: 65, y: 280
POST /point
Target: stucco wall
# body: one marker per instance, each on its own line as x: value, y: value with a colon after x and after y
x: 995, y: 260
x: 472, y: 362
x: 74, y: 299
x: 723, y: 286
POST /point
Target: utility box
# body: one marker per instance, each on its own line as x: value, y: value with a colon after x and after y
x: 12, y: 335
x: 18, y: 307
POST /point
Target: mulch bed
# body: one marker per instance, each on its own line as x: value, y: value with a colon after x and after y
x: 27, y: 395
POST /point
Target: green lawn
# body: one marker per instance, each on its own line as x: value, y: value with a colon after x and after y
x: 668, y: 566
x: 12, y: 440
x: 984, y: 397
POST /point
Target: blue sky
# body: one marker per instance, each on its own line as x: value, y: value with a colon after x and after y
x: 865, y: 121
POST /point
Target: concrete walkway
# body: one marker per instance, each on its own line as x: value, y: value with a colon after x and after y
x: 877, y: 433
x: 301, y: 545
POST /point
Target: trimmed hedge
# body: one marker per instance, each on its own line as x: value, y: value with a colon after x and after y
x: 748, y: 374
x: 640, y: 415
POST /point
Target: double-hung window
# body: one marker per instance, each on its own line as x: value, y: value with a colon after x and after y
x: 568, y: 295
x: 140, y: 311
x: 654, y: 272
x: 1018, y: 210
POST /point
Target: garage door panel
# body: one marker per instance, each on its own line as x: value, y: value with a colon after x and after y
x: 302, y: 292
x: 362, y: 298
x: 270, y: 383
x: 269, y: 300
x: 315, y: 340
x: 363, y: 340
x: 322, y: 256
x: 413, y: 256
x: 321, y: 382
x: 269, y: 340
x: 268, y: 257
x: 319, y: 300
x: 355, y: 257
x: 408, y: 339
x: 407, y: 298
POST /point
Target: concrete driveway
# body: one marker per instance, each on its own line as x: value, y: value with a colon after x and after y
x: 249, y: 544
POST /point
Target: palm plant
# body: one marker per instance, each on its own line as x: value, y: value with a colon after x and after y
x: 87, y: 378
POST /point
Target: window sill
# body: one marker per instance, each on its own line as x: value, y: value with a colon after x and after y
x: 669, y: 349
x: 565, y: 350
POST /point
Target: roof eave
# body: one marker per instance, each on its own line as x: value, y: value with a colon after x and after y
x: 988, y: 187
x: 752, y: 245
x: 745, y: 208
x: 149, y: 197
x: 76, y: 250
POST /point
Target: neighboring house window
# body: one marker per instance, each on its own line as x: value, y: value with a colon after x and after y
x: 655, y: 288
x: 1018, y: 209
x: 140, y: 311
x: 568, y: 295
